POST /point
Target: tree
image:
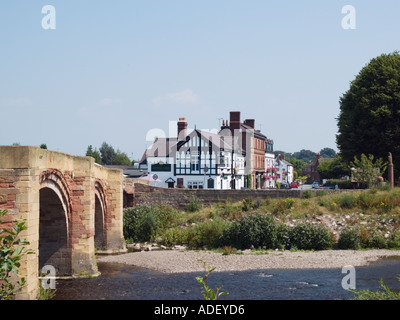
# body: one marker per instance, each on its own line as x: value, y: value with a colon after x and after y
x: 305, y: 155
x: 107, y: 153
x: 121, y: 158
x: 365, y: 171
x: 334, y: 169
x: 94, y: 154
x: 43, y: 146
x: 298, y: 165
x: 327, y: 153
x: 369, y: 119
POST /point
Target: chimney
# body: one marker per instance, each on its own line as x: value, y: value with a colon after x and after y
x: 235, y: 120
x: 182, y: 129
x: 250, y: 123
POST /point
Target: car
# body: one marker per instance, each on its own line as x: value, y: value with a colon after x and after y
x: 294, y: 184
x: 315, y: 185
x: 285, y: 186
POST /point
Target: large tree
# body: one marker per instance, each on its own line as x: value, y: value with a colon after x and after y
x: 369, y: 119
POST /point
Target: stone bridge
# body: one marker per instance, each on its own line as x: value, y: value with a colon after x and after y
x: 72, y: 206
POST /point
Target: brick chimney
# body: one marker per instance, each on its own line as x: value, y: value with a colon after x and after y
x: 182, y: 129
x: 235, y: 120
x: 250, y: 123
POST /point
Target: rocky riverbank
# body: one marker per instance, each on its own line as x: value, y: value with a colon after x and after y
x: 178, y: 261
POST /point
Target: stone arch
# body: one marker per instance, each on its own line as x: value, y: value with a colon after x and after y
x: 54, y: 223
x: 100, y: 213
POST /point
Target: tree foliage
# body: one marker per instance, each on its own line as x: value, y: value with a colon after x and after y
x: 94, y: 153
x: 108, y: 156
x: 327, y: 153
x: 334, y: 169
x: 369, y: 119
x: 366, y: 171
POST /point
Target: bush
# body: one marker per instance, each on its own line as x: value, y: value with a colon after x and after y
x: 247, y: 204
x: 143, y: 223
x: 12, y: 249
x: 350, y: 239
x: 307, y: 236
x: 258, y: 230
x: 283, y: 236
x: 378, y: 242
x: 307, y: 194
x: 346, y: 201
x: 206, y: 234
x: 366, y: 200
x: 194, y: 205
x: 394, y: 241
x: 175, y: 236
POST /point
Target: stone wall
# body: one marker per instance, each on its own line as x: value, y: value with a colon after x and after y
x: 179, y: 198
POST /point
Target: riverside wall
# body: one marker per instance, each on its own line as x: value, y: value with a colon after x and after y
x: 179, y: 198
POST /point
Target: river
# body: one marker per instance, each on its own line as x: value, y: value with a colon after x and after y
x: 125, y: 282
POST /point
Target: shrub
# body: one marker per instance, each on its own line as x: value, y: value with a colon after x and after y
x: 366, y: 200
x: 281, y: 206
x: 378, y: 242
x: 194, y: 205
x: 321, y: 193
x: 394, y: 241
x: 307, y: 194
x: 12, y: 249
x: 143, y: 223
x: 256, y: 230
x: 247, y: 204
x: 283, y: 236
x: 307, y: 236
x: 206, y: 234
x: 175, y: 236
x: 346, y: 201
x: 350, y: 239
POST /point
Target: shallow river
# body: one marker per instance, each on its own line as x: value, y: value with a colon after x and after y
x: 120, y: 282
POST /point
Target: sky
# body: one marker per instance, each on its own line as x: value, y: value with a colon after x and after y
x: 125, y: 71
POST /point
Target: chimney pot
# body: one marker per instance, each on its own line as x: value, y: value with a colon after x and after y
x: 182, y: 129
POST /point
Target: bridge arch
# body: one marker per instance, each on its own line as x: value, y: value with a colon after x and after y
x: 100, y: 213
x: 55, y: 223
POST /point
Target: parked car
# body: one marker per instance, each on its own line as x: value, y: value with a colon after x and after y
x: 285, y: 186
x: 294, y: 184
x: 315, y: 185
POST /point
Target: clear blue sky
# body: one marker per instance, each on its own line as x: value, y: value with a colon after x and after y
x: 113, y: 70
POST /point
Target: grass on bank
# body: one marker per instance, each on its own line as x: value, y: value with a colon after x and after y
x: 368, y: 219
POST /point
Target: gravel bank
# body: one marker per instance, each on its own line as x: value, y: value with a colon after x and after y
x: 174, y: 261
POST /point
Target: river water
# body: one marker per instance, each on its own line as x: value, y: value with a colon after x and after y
x: 124, y: 282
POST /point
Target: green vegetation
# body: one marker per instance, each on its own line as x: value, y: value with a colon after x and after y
x: 383, y: 294
x: 12, y: 249
x: 208, y: 293
x: 318, y: 220
x: 369, y: 111
x: 108, y: 156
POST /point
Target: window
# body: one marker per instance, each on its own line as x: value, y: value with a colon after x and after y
x: 195, y: 160
x: 195, y: 185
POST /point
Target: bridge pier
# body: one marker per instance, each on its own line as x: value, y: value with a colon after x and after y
x: 72, y: 208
